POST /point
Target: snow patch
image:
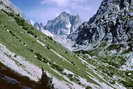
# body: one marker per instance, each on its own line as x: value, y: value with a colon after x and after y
x: 67, y: 43
x: 128, y: 65
x: 67, y: 72
x: 46, y: 32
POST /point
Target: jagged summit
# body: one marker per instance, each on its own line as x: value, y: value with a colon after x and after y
x: 39, y: 26
x: 64, y: 14
x: 64, y: 24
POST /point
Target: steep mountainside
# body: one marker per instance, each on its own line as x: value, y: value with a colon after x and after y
x: 8, y: 6
x: 64, y: 24
x: 112, y: 22
x: 106, y: 41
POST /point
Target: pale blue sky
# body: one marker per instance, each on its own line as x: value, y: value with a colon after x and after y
x: 44, y: 10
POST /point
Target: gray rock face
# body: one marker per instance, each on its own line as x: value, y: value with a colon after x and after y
x: 39, y: 26
x: 8, y: 6
x: 113, y: 22
x: 64, y: 24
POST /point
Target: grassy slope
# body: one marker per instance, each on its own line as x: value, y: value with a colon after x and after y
x: 20, y: 37
x: 109, y: 63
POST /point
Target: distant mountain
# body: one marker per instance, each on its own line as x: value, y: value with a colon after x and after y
x: 39, y: 26
x: 60, y: 28
x: 64, y: 24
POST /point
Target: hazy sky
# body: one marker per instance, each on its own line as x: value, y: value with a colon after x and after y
x: 43, y: 10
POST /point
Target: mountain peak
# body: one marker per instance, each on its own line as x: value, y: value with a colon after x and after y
x: 64, y: 13
x: 64, y: 24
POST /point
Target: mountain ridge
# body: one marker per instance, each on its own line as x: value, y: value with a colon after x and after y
x: 63, y: 24
x: 107, y: 23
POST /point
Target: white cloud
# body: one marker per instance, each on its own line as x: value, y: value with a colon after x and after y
x: 57, y: 2
x: 64, y: 3
x: 49, y: 9
x: 61, y: 2
x: 43, y: 14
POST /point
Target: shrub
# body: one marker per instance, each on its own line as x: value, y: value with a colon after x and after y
x: 57, y: 67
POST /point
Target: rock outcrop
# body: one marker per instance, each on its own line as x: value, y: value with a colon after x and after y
x: 64, y: 24
x: 112, y: 22
x: 39, y: 26
x: 8, y: 6
x: 105, y: 41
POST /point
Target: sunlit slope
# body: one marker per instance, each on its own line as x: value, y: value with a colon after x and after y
x: 113, y: 60
x: 24, y: 40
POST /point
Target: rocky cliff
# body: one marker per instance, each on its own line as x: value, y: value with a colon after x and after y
x: 113, y: 22
x: 105, y: 41
x: 64, y: 24
x: 8, y: 6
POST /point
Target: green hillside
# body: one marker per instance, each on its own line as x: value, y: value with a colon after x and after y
x: 24, y: 40
x: 109, y: 58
